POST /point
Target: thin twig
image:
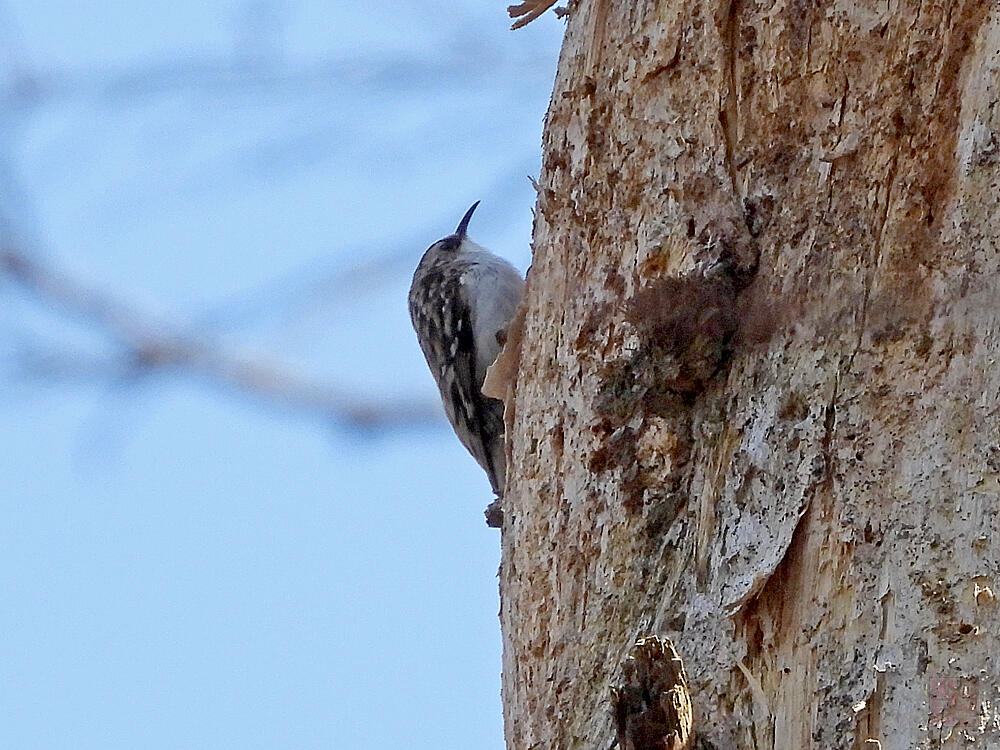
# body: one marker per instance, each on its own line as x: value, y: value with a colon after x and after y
x: 529, y: 10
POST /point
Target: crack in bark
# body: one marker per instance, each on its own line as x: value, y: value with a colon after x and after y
x: 829, y: 425
x: 878, y: 249
x: 868, y: 724
x: 729, y: 115
x: 600, y: 22
x: 942, y: 58
x: 711, y: 491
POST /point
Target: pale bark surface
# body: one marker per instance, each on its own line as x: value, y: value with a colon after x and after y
x: 815, y: 525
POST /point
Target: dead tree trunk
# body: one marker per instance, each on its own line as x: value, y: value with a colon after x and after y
x: 757, y: 403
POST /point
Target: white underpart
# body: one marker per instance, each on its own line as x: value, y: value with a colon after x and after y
x: 492, y: 289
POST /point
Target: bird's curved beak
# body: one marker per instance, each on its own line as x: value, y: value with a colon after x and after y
x: 463, y: 225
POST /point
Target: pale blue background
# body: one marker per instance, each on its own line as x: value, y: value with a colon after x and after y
x: 181, y: 566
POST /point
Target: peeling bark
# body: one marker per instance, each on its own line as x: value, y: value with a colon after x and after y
x: 803, y: 494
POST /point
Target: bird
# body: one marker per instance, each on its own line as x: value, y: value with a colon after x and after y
x: 461, y: 301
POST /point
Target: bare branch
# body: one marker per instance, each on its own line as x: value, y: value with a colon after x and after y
x: 151, y: 347
x: 529, y: 9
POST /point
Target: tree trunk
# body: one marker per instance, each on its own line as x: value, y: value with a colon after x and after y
x: 756, y: 410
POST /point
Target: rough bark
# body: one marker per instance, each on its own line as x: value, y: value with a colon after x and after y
x: 803, y: 493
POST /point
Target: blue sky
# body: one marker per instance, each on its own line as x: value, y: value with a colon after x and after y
x: 182, y: 566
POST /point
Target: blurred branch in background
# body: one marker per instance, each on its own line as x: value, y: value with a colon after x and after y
x: 292, y: 113
x: 214, y: 419
x: 149, y: 347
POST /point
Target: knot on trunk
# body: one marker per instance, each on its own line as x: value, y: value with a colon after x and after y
x: 652, y: 705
